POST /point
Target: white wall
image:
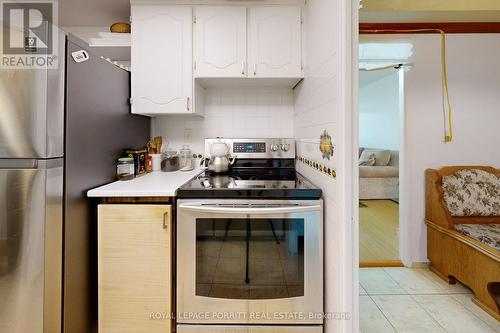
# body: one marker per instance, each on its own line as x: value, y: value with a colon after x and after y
x: 231, y: 112
x: 474, y: 83
x: 379, y: 109
x: 320, y: 104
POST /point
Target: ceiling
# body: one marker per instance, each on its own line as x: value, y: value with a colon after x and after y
x: 106, y: 12
x: 365, y: 78
x: 422, y: 11
x: 93, y: 12
x: 430, y: 5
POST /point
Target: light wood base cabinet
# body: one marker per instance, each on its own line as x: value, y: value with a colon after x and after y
x: 134, y: 263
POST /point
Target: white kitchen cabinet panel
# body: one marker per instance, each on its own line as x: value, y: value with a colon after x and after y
x: 275, y: 42
x: 162, y: 74
x: 220, y: 41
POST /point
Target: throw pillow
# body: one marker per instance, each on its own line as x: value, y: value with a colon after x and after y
x: 360, y: 151
x: 382, y: 157
x: 369, y: 162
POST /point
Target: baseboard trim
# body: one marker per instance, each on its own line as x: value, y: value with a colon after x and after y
x: 389, y: 263
x: 420, y: 264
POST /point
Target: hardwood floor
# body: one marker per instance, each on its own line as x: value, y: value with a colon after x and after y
x: 378, y: 233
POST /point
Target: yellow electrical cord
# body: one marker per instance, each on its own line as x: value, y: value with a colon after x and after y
x: 448, y: 135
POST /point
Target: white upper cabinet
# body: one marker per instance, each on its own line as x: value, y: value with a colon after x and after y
x: 162, y: 72
x: 220, y: 41
x: 171, y: 47
x: 275, y: 42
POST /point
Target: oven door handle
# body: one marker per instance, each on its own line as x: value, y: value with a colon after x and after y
x: 250, y: 210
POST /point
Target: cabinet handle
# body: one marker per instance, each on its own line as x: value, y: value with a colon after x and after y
x: 254, y: 69
x: 188, y: 100
x: 243, y: 67
x: 165, y: 224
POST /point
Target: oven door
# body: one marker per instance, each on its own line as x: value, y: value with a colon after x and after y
x: 250, y: 262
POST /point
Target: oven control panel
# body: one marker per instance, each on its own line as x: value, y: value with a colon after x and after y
x: 256, y: 148
x: 249, y: 147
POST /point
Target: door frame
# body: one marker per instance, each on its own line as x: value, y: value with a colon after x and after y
x: 404, y: 227
x: 404, y: 247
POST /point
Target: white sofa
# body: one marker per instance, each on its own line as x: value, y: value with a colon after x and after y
x: 380, y: 182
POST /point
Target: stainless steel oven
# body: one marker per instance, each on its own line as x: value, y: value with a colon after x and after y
x: 243, y: 262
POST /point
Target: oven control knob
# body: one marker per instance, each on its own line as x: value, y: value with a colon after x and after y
x: 285, y: 147
x: 274, y: 147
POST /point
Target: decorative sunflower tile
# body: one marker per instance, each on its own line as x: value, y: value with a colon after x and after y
x: 326, y: 145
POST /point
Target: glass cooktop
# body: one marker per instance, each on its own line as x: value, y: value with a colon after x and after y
x: 265, y: 183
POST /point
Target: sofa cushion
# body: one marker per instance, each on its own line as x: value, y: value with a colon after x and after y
x: 382, y: 157
x: 394, y: 160
x: 378, y: 171
x: 472, y: 192
x: 488, y: 234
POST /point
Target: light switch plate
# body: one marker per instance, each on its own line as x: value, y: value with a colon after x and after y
x: 188, y: 135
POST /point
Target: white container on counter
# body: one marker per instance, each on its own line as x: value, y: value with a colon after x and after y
x: 156, y: 162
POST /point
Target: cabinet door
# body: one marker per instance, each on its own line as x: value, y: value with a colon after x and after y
x: 162, y: 75
x: 220, y: 41
x: 134, y: 268
x: 275, y: 42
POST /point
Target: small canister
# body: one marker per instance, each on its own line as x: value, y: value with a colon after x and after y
x: 139, y: 156
x: 125, y: 168
x: 169, y: 161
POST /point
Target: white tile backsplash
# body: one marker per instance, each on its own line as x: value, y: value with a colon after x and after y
x: 318, y: 107
x: 256, y: 112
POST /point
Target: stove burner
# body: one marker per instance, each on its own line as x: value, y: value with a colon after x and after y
x: 218, y: 181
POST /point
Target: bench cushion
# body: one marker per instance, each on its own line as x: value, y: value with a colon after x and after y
x: 488, y: 234
x: 472, y: 192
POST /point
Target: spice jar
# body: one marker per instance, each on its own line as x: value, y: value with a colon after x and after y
x: 125, y: 168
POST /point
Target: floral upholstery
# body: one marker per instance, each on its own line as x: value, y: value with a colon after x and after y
x: 488, y: 234
x: 472, y: 192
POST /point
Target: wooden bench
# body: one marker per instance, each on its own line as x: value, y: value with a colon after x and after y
x: 455, y: 256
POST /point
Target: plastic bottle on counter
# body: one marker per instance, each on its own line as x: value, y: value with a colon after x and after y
x: 149, y: 163
x: 185, y: 159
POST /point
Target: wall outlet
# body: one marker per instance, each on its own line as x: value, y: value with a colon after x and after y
x: 188, y: 135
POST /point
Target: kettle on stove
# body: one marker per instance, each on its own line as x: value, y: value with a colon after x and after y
x: 219, y: 160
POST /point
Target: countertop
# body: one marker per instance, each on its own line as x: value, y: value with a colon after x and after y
x: 154, y: 184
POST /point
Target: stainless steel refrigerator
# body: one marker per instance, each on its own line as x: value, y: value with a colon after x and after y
x: 60, y: 133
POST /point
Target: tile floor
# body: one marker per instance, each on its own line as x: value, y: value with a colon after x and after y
x: 415, y: 300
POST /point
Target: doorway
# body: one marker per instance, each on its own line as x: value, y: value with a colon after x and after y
x: 381, y: 110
